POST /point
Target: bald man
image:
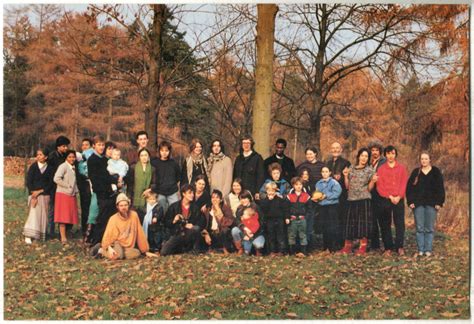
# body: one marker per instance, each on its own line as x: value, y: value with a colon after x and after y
x: 336, y: 163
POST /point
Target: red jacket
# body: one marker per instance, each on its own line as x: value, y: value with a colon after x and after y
x: 252, y: 223
x: 392, y: 181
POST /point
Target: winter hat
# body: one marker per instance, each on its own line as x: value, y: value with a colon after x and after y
x: 122, y: 197
x: 62, y: 140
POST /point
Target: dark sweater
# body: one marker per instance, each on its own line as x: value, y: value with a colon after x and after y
x: 36, y: 181
x: 277, y: 208
x: 203, y: 200
x: 167, y: 176
x: 250, y: 170
x: 287, y: 165
x: 99, y: 176
x: 429, y: 191
x: 195, y: 217
x: 314, y: 171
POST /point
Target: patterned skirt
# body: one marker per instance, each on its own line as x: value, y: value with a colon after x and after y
x: 35, y: 226
x: 358, y: 222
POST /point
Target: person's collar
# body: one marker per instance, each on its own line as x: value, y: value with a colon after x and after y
x: 247, y: 154
x: 280, y: 157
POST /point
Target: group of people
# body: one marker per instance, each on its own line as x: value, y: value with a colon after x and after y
x: 151, y: 205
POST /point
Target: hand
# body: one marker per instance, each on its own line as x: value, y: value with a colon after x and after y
x: 301, y: 217
x: 287, y: 221
x: 177, y: 218
x: 375, y: 177
x: 113, y: 254
x: 154, y: 220
x: 293, y: 217
x: 323, y: 197
x: 337, y: 177
x: 146, y: 192
x: 437, y: 207
x: 203, y: 209
x: 412, y: 206
x: 247, y: 231
x: 151, y: 255
x: 345, y: 172
x: 189, y: 226
x: 34, y: 202
x: 257, y: 196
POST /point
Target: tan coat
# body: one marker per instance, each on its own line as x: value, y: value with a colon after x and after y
x: 221, y: 176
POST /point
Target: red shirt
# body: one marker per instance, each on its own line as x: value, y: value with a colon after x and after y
x: 392, y: 181
x: 252, y: 223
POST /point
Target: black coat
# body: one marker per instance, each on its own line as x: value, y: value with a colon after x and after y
x: 429, y: 191
x: 195, y: 217
x: 251, y: 170
x: 277, y: 208
x: 99, y: 176
x: 36, y: 181
x: 287, y: 165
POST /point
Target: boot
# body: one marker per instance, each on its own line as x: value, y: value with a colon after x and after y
x: 258, y: 252
x: 238, y: 246
x: 292, y: 249
x: 362, y: 247
x: 226, y: 252
x: 304, y: 249
x: 347, y: 247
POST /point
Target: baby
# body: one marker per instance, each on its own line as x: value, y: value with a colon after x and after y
x: 117, y: 167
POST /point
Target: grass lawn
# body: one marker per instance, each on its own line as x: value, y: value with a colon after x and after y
x: 49, y: 281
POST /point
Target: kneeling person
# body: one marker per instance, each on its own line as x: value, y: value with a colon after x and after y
x: 122, y: 234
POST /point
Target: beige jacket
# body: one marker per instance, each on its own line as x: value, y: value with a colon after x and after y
x: 65, y: 178
x: 221, y: 176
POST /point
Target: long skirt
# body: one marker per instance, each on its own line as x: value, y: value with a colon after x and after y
x: 358, y: 222
x: 65, y: 209
x: 35, y: 226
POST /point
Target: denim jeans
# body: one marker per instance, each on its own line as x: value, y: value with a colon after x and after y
x: 425, y: 217
x: 166, y: 201
x: 258, y: 242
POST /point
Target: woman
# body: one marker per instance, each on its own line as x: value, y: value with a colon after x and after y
x: 220, y: 168
x: 65, y: 203
x: 359, y: 180
x: 39, y: 183
x: 425, y: 196
x: 233, y: 200
x: 195, y: 164
x: 219, y: 222
x: 141, y: 180
x: 202, y: 198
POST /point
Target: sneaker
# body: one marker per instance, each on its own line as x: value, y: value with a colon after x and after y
x: 420, y: 254
x: 28, y: 240
x: 428, y: 254
x: 94, y: 251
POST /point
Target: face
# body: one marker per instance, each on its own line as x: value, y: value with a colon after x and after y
x: 115, y: 155
x: 276, y: 175
x: 123, y: 207
x: 325, y: 173
x: 245, y: 202
x: 375, y: 153
x: 71, y: 158
x: 144, y: 157
x: 271, y: 193
x: 391, y: 156
x: 298, y: 186
x: 305, y: 175
x: 363, y: 158
x: 279, y: 149
x: 85, y: 145
x: 216, y: 147
x: 200, y: 185
x: 108, y: 151
x: 310, y: 156
x: 246, y: 145
x: 336, y: 149
x: 142, y: 141
x: 99, y: 147
x: 151, y: 200
x: 40, y: 157
x: 188, y: 195
x: 215, y: 199
x: 425, y: 160
x: 164, y: 153
x: 62, y: 149
x: 198, y: 149
x: 247, y: 214
x: 236, y: 188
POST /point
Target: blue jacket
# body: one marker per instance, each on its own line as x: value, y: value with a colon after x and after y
x: 332, y: 189
x: 283, y: 188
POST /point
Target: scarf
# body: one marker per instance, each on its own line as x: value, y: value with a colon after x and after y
x: 148, y: 217
x: 142, y: 182
x: 197, y: 160
x: 214, y: 158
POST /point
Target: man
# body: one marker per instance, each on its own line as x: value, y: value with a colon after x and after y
x: 123, y: 234
x: 55, y: 159
x: 142, y: 142
x: 248, y: 166
x: 84, y: 188
x: 185, y: 221
x: 287, y: 164
x: 391, y: 186
x: 376, y: 160
x: 336, y: 164
x: 102, y: 186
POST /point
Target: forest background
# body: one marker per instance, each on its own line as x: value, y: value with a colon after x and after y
x: 341, y: 72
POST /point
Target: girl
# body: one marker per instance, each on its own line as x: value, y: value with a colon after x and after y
x: 233, y: 200
x: 202, y: 198
x: 65, y: 203
x: 220, y: 168
x: 39, y: 184
x: 195, y: 164
x: 359, y: 181
x: 425, y: 195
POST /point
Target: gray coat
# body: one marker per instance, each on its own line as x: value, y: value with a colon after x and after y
x: 65, y: 178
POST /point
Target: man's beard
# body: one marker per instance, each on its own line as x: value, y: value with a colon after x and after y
x: 124, y: 214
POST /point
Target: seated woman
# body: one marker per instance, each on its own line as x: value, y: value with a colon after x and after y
x: 202, y: 199
x: 220, y: 221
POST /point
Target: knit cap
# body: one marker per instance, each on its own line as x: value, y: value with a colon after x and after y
x: 122, y: 197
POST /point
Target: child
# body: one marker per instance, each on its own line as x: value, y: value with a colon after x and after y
x: 283, y: 187
x: 275, y: 210
x: 307, y: 186
x: 153, y: 223
x: 298, y: 209
x: 251, y: 231
x: 329, y: 204
x: 117, y: 168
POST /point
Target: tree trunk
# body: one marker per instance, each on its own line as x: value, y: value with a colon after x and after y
x: 316, y: 132
x: 264, y: 78
x: 109, y: 118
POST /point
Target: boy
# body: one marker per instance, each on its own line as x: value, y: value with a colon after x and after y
x: 283, y: 187
x: 296, y: 218
x: 117, y: 168
x: 154, y: 223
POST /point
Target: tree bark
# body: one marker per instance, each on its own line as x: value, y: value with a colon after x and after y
x: 264, y: 78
